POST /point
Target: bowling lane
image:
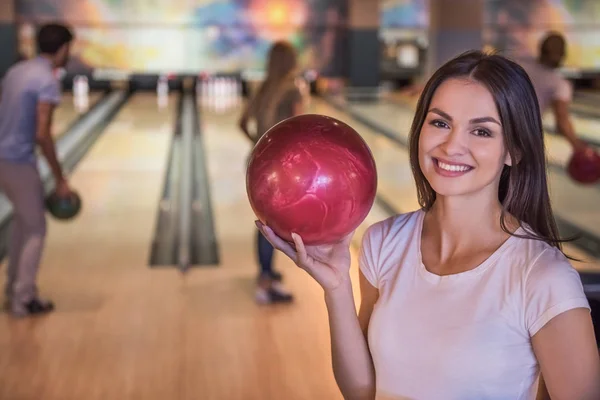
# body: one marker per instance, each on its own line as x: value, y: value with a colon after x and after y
x: 284, y: 351
x: 67, y: 112
x: 587, y: 128
x: 106, y: 340
x: 591, y: 96
x: 585, y: 107
x: 571, y: 202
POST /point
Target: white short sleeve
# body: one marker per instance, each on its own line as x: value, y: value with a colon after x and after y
x: 564, y: 90
x: 552, y: 287
x: 368, y: 260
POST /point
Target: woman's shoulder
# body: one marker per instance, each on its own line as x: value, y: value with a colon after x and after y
x: 550, y: 283
x: 532, y: 252
x: 541, y: 264
x: 404, y: 223
x: 386, y: 241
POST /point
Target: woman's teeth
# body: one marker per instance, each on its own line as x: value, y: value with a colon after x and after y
x: 454, y: 168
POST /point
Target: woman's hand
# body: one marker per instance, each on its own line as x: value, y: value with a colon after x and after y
x: 328, y: 264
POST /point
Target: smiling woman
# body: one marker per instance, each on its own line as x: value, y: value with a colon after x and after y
x: 469, y: 297
x: 501, y: 123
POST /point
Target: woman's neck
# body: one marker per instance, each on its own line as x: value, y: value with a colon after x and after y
x: 455, y: 225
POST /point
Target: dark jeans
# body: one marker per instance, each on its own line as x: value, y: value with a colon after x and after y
x: 265, y: 255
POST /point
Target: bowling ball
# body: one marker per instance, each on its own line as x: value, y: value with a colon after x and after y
x: 63, y: 208
x: 312, y: 175
x: 584, y: 166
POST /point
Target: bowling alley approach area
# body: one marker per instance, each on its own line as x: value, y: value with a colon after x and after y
x: 153, y: 262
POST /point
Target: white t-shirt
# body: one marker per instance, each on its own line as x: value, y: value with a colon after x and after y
x: 464, y: 336
x: 548, y: 83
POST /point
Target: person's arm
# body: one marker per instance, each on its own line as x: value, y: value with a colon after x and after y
x: 561, y: 103
x: 244, y: 119
x: 329, y: 265
x: 568, y: 356
x: 48, y: 98
x: 564, y: 125
x: 351, y: 359
x: 557, y: 318
x: 44, y: 139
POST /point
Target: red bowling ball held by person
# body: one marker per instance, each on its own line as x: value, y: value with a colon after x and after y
x: 470, y: 296
x: 313, y: 175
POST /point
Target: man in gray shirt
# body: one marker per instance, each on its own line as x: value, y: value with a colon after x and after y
x: 28, y: 95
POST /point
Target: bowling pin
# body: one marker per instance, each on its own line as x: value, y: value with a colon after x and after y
x: 211, y: 88
x: 75, y: 89
x: 238, y: 92
x: 230, y: 93
x: 226, y: 93
x: 219, y: 92
x: 86, y: 86
x: 76, y: 85
x: 82, y: 104
x: 224, y: 87
x: 86, y: 92
x: 78, y: 93
x: 217, y: 100
x: 81, y: 94
x: 204, y: 91
x: 162, y: 92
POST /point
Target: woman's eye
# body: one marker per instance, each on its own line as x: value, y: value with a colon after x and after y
x: 483, y: 132
x: 438, y: 123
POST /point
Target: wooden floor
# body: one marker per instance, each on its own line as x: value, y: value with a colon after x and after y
x: 125, y: 331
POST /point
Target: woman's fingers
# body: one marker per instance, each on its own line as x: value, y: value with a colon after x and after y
x: 300, y: 250
x: 277, y: 242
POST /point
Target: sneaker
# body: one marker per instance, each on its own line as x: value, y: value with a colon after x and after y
x: 31, y: 308
x: 274, y: 294
x: 262, y: 296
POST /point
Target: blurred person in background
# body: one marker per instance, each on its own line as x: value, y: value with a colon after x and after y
x: 277, y: 98
x: 30, y: 92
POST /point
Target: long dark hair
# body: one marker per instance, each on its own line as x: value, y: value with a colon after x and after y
x: 523, y: 189
x: 281, y: 69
